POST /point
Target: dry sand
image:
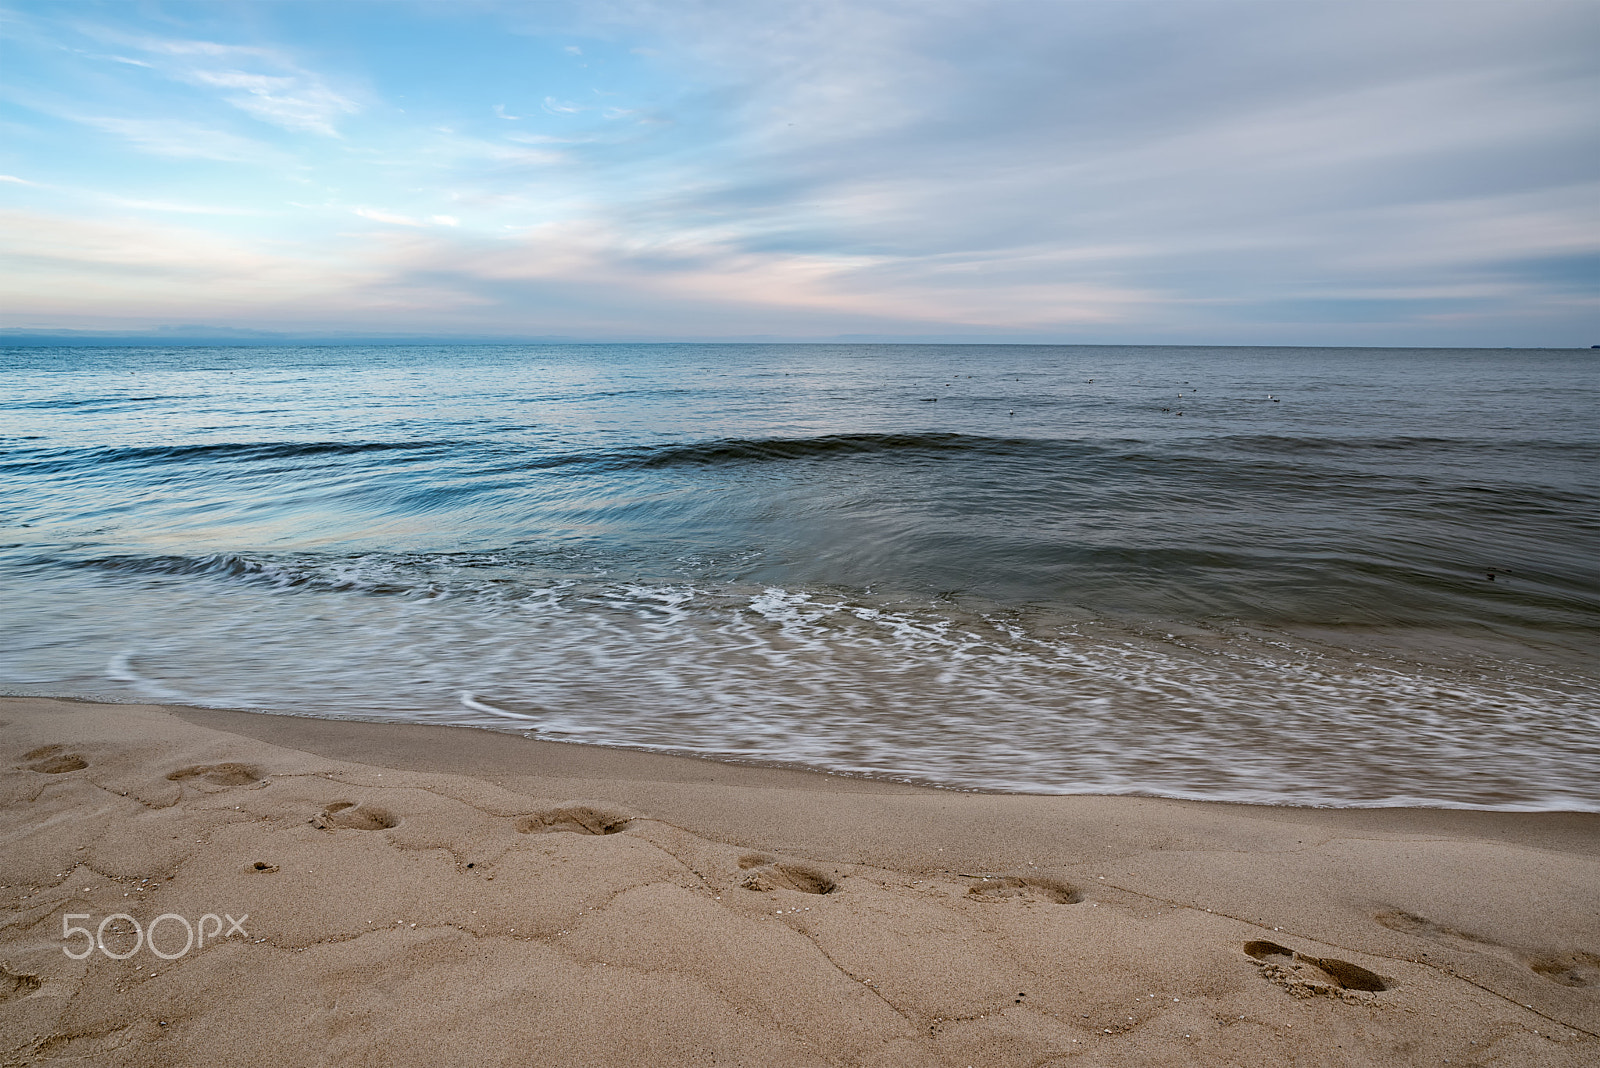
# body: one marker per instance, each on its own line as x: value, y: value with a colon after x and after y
x: 439, y: 896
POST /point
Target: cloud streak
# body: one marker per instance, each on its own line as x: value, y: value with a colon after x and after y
x: 262, y: 82
x: 290, y: 102
x: 184, y: 140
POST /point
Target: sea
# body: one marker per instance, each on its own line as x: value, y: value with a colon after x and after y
x: 1293, y: 576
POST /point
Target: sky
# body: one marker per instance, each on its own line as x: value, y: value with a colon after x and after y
x: 1135, y: 172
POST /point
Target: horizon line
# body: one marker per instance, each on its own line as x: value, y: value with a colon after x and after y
x: 226, y: 338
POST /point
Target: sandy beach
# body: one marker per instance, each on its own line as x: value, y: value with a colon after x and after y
x: 371, y: 894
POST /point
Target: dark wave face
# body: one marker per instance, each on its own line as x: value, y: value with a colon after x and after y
x: 1303, y: 576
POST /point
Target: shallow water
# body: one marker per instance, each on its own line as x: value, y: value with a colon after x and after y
x: 1046, y: 579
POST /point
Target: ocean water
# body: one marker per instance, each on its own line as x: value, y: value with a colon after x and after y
x: 1294, y: 576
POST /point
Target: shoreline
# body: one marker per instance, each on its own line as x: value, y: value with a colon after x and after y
x: 232, y: 716
x: 347, y: 745
x: 455, y: 910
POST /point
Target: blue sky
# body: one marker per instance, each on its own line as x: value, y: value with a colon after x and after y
x: 1145, y: 171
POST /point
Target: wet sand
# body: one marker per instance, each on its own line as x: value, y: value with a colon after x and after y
x: 392, y: 894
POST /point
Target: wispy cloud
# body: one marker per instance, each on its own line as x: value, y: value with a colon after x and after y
x: 544, y: 139
x: 265, y: 83
x: 184, y: 140
x: 177, y: 207
x: 293, y: 102
x: 389, y: 217
x: 533, y: 157
x: 212, y: 49
x: 396, y: 219
x: 60, y: 265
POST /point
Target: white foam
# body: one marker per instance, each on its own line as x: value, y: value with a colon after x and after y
x: 917, y: 691
x: 469, y: 701
x: 119, y: 668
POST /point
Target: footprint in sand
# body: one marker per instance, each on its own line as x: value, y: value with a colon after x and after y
x: 766, y: 874
x: 17, y: 985
x: 1411, y: 923
x: 1025, y: 888
x: 575, y: 819
x: 348, y: 815
x: 1570, y: 967
x: 50, y: 760
x: 219, y: 774
x: 1306, y: 976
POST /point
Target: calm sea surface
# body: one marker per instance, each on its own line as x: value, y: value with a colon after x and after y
x: 1300, y: 576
